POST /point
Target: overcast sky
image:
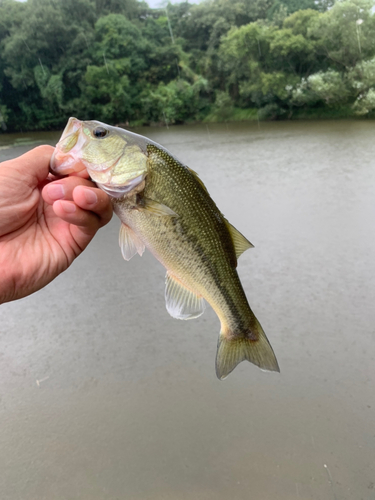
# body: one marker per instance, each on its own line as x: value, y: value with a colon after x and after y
x: 155, y: 3
x: 162, y: 3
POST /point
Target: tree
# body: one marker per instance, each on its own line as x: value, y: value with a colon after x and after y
x: 346, y: 33
x: 119, y: 60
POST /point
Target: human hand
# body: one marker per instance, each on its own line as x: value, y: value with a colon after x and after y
x: 44, y: 223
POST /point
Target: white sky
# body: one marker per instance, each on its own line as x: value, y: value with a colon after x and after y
x: 155, y: 3
x: 162, y: 3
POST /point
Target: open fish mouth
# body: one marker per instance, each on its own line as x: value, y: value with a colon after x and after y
x: 66, y: 159
x: 66, y: 164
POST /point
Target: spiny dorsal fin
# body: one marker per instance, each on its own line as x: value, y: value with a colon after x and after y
x: 129, y: 243
x: 197, y: 178
x: 240, y: 242
x: 181, y: 303
x: 156, y: 208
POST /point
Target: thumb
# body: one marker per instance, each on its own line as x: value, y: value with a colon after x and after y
x: 33, y: 166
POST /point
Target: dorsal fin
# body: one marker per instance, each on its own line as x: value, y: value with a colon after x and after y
x: 196, y: 176
x: 182, y: 303
x: 240, y: 242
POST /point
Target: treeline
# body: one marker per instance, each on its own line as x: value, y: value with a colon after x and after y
x: 121, y: 62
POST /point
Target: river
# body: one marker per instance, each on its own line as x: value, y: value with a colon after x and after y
x: 104, y: 396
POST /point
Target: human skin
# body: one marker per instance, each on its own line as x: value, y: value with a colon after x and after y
x: 45, y: 222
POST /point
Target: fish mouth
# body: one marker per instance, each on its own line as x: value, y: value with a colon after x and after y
x: 66, y: 158
x: 62, y: 164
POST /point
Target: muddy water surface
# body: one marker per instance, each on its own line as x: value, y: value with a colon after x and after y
x: 104, y: 396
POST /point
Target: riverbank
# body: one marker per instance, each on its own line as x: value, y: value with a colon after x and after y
x: 271, y: 113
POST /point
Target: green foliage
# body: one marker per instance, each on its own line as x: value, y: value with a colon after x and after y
x: 346, y: 33
x: 128, y: 8
x: 106, y: 91
x: 313, y: 59
x: 365, y: 103
x: 176, y: 102
x: 223, y: 106
x: 118, y: 37
x: 120, y: 61
x: 362, y: 82
x: 328, y: 87
x: 3, y: 117
x: 300, y: 22
x: 203, y: 25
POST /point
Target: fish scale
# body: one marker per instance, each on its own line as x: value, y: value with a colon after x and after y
x: 206, y: 237
x: 165, y: 207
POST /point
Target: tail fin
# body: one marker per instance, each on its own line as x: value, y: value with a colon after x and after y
x: 252, y: 345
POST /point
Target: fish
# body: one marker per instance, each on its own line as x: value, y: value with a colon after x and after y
x: 164, y: 206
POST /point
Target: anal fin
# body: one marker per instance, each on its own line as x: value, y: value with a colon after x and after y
x: 182, y: 303
x: 129, y: 243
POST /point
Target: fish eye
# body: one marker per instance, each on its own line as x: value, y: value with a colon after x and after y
x: 100, y: 132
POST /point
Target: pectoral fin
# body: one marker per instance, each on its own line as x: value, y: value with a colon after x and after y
x: 181, y: 302
x: 156, y: 208
x: 129, y: 243
x: 240, y: 242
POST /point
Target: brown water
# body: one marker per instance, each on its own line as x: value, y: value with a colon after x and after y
x: 104, y: 396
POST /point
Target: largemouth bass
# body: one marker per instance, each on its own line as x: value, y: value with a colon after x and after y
x: 165, y: 207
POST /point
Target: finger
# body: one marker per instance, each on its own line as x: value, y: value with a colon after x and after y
x: 88, y: 223
x: 83, y: 193
x: 83, y: 223
x: 33, y: 166
x: 95, y: 200
x: 62, y: 189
